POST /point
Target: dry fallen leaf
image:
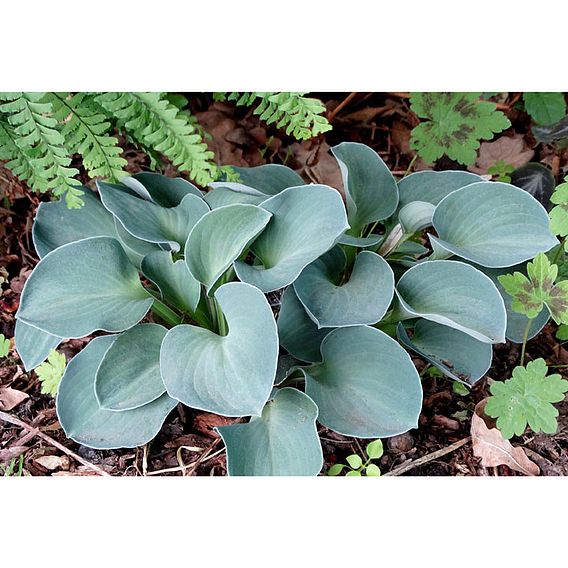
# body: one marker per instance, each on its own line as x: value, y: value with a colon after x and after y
x: 205, y: 423
x: 511, y: 150
x: 10, y: 398
x: 315, y: 163
x: 489, y: 445
x: 53, y: 462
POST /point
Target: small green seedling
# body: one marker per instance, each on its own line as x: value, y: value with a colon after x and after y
x: 501, y: 170
x: 460, y: 388
x: 9, y: 469
x: 4, y: 346
x: 357, y: 467
x: 50, y: 372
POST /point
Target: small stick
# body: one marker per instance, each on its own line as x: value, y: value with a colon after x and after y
x: 340, y: 107
x: 183, y: 468
x: 428, y: 457
x: 37, y: 432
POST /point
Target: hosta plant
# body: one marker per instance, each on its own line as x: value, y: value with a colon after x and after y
x: 185, y: 287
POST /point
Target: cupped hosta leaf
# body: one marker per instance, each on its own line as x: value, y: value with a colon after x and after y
x: 221, y: 196
x: 231, y: 375
x: 173, y: 279
x: 33, y: 345
x: 220, y: 237
x: 135, y: 249
x: 454, y: 294
x: 168, y: 226
x: 306, y: 222
x: 363, y: 299
x: 283, y: 441
x: 84, y: 286
x: 416, y: 216
x: 493, y: 224
x: 370, y: 188
x: 287, y: 364
x: 129, y: 374
x: 431, y: 186
x: 299, y: 335
x: 56, y: 225
x: 535, y: 179
x: 360, y: 242
x: 367, y: 385
x: 458, y: 355
x: 165, y: 191
x: 84, y: 421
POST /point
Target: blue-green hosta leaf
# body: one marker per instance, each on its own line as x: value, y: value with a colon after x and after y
x: 367, y: 385
x: 306, y: 222
x: 82, y: 287
x: 360, y: 242
x: 167, y: 226
x: 454, y: 294
x: 173, y: 279
x: 370, y: 188
x: 56, y: 225
x: 363, y: 299
x: 493, y: 224
x: 458, y: 355
x: 129, y: 374
x: 85, y: 422
x: 299, y: 335
x: 221, y: 196
x: 287, y: 364
x: 416, y: 216
x: 135, y: 249
x: 431, y: 186
x: 165, y: 191
x: 220, y: 237
x: 231, y: 375
x: 283, y: 441
x: 33, y: 345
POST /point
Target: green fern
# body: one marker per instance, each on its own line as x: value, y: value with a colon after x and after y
x: 85, y: 130
x: 301, y: 116
x: 154, y: 122
x: 42, y: 144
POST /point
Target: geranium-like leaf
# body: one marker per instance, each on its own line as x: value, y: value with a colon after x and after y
x: 370, y: 188
x: 56, y: 225
x: 493, y: 224
x: 545, y: 108
x: 231, y: 375
x: 173, y: 279
x: 363, y: 299
x: 165, y: 191
x: 527, y: 398
x: 299, y: 335
x: 86, y: 423
x: 167, y: 226
x: 33, y: 345
x: 220, y: 237
x: 282, y: 441
x: 454, y: 294
x: 366, y: 386
x: 306, y: 222
x: 84, y: 286
x: 129, y: 374
x: 431, y: 186
x: 458, y: 355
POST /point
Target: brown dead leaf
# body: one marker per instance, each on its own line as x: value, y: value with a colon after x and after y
x: 53, y: 462
x: 10, y: 398
x: 13, y: 452
x: 205, y: 422
x: 489, y: 445
x: 511, y: 150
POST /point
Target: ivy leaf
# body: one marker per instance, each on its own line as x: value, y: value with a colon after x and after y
x: 455, y: 123
x: 4, y: 346
x: 527, y: 398
x: 531, y: 294
x: 50, y: 372
x: 559, y: 214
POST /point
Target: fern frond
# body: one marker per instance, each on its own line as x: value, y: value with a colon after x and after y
x: 301, y: 116
x: 17, y: 160
x: 154, y: 122
x: 37, y: 136
x: 85, y: 130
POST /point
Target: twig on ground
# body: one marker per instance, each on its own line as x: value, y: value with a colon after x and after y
x: 183, y: 468
x: 37, y: 432
x: 428, y: 457
x: 340, y: 107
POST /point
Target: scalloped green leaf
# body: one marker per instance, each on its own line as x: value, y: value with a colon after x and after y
x: 431, y: 186
x: 371, y: 191
x: 306, y: 222
x: 163, y: 190
x: 174, y: 280
x: 493, y: 224
x: 282, y: 441
x: 454, y: 294
x: 220, y: 237
x: 366, y: 386
x: 363, y: 299
x: 32, y: 344
x: 86, y: 423
x: 82, y: 287
x: 298, y: 333
x: 458, y: 355
x: 230, y: 375
x: 129, y: 374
